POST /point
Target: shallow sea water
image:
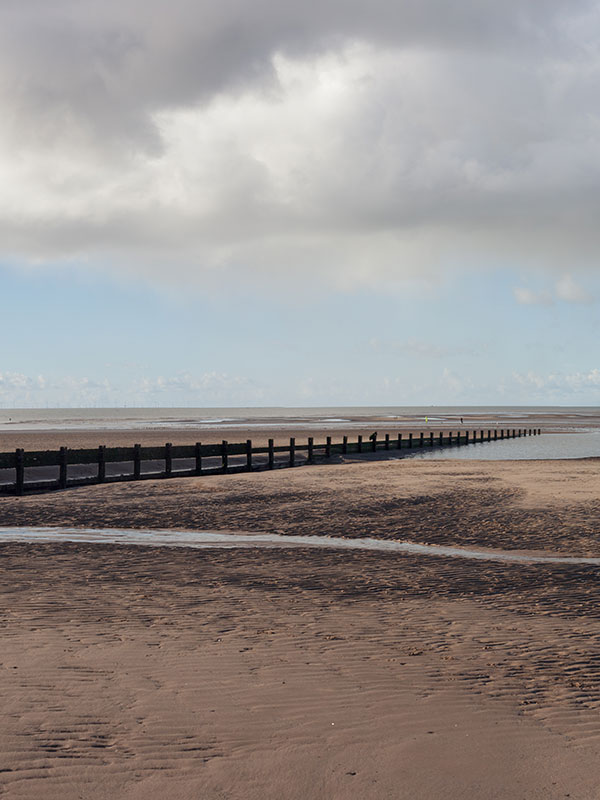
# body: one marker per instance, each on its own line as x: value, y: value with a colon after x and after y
x: 548, y: 446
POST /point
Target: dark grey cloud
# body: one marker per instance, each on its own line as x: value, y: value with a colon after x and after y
x: 349, y: 140
x: 105, y: 66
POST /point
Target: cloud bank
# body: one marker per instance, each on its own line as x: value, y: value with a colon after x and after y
x: 566, y: 290
x: 196, y: 142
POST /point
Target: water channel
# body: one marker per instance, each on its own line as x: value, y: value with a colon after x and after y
x: 218, y: 539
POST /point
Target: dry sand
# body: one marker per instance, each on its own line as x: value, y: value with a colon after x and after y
x: 131, y: 672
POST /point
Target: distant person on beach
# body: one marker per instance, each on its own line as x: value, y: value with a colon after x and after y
x: 461, y: 420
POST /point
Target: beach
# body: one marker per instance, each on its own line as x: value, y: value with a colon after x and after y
x: 299, y: 401
x: 133, y: 672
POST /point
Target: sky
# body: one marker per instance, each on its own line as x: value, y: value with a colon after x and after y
x: 277, y: 203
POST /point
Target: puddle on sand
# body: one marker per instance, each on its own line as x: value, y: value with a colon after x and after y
x: 215, y: 539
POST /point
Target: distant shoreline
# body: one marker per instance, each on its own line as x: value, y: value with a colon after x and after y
x: 79, y: 429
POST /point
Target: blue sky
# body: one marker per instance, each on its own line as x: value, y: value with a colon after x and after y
x: 94, y: 341
x: 299, y: 204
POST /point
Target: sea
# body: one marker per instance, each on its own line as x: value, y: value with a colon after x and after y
x: 572, y: 431
x: 565, y: 418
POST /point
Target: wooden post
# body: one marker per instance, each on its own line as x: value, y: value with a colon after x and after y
x: 450, y: 437
x: 373, y: 439
x: 198, y: 453
x: 481, y: 437
x: 410, y: 441
x: 311, y: 446
x: 489, y: 436
x: 168, y: 460
x: 421, y: 439
x: 345, y: 444
x: 430, y: 438
x: 292, y: 451
x: 101, y: 463
x: 387, y: 441
x: 519, y: 433
x: 502, y: 433
x: 539, y: 431
x: 359, y: 443
x: 249, y: 455
x: 224, y: 456
x: 441, y: 439
x: 328, y: 447
x: 513, y: 433
x: 137, y: 462
x: 20, y: 471
x: 62, y: 461
x: 271, y: 454
x: 495, y: 433
x: 475, y: 437
x: 399, y: 441
x: 467, y: 437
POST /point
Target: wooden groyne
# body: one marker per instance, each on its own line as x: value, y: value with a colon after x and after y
x: 45, y: 470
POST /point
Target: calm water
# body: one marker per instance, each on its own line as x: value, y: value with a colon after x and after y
x: 544, y: 447
x: 324, y: 417
x: 213, y: 539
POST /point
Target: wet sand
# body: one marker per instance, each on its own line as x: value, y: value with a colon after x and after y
x: 137, y: 672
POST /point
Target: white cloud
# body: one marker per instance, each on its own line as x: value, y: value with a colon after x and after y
x: 560, y: 387
x: 15, y: 381
x: 566, y: 289
x: 205, y: 142
x: 211, y: 388
x: 528, y: 297
x: 17, y: 390
x: 571, y: 292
